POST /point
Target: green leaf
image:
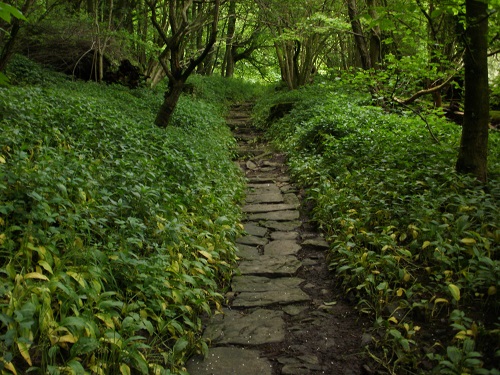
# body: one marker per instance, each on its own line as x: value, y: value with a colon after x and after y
x: 454, y: 354
x: 6, y: 11
x: 455, y: 291
x: 180, y: 344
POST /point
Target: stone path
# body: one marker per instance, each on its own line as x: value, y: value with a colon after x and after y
x: 278, y: 321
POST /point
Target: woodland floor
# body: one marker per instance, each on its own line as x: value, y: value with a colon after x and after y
x: 314, y: 329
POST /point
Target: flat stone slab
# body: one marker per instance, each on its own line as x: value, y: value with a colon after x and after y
x: 268, y: 265
x: 281, y: 226
x: 263, y: 284
x: 261, y: 189
x: 291, y: 198
x: 255, y: 230
x: 265, y: 198
x: 282, y: 247
x: 247, y: 252
x: 284, y: 235
x: 234, y: 328
x: 276, y: 216
x: 255, y: 208
x: 316, y: 242
x: 229, y: 361
x: 271, y: 297
x: 252, y: 240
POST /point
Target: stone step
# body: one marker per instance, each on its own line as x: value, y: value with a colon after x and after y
x: 229, y: 361
x: 258, y: 327
x: 256, y: 208
x: 270, y: 266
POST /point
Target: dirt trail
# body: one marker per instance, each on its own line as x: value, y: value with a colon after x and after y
x: 285, y: 315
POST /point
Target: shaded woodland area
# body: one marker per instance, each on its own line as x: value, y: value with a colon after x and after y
x: 119, y: 199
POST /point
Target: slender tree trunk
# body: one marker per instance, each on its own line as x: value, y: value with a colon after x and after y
x: 167, y: 108
x: 375, y: 42
x: 358, y: 34
x: 472, y: 157
x: 231, y: 27
x: 9, y: 47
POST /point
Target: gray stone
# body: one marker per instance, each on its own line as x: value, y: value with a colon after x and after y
x: 316, y: 242
x: 294, y: 310
x: 252, y: 240
x: 229, y: 361
x: 255, y: 230
x: 291, y: 198
x: 282, y: 247
x: 247, y: 252
x: 261, y: 179
x: 251, y: 165
x: 268, y: 169
x: 283, y: 226
x: 272, y: 297
x: 260, y: 189
x: 235, y: 328
x: 265, y: 198
x: 255, y: 208
x: 284, y: 235
x: 263, y: 284
x: 267, y: 265
x: 308, y: 262
x: 276, y: 216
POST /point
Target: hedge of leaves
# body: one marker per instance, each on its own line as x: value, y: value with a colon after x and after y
x: 414, y: 241
x: 115, y: 236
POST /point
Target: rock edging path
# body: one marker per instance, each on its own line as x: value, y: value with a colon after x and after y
x: 283, y: 316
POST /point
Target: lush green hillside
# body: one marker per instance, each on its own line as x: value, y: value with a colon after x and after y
x: 115, y: 235
x: 415, y: 243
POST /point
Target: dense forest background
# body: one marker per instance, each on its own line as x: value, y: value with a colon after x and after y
x: 116, y: 234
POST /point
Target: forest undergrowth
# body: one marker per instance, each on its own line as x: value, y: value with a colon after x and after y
x: 115, y: 236
x: 416, y: 244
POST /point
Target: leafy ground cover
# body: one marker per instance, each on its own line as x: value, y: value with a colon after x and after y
x: 414, y: 242
x: 115, y: 236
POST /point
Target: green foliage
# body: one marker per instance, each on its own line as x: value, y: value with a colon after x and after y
x: 115, y: 235
x: 407, y: 233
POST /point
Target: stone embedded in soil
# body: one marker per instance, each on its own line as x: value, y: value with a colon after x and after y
x: 265, y: 198
x: 281, y: 247
x: 247, y: 252
x: 251, y: 165
x: 235, y: 328
x: 252, y: 240
x: 261, y: 189
x: 267, y: 265
x: 263, y: 284
x: 281, y: 226
x: 284, y: 235
x: 271, y: 297
x: 255, y: 208
x: 294, y: 310
x: 276, y: 216
x: 229, y: 361
x: 255, y: 230
x: 316, y: 242
x: 291, y: 198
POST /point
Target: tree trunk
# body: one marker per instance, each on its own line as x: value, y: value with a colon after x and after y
x: 472, y: 157
x: 358, y: 34
x: 169, y: 103
x: 9, y: 47
x: 229, y: 55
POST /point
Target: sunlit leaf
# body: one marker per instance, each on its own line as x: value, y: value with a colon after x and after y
x: 36, y: 275
x: 455, y: 291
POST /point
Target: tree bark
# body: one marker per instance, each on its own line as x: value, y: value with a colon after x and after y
x: 358, y: 35
x: 472, y: 157
x: 9, y: 47
x: 228, y: 63
x: 167, y: 108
